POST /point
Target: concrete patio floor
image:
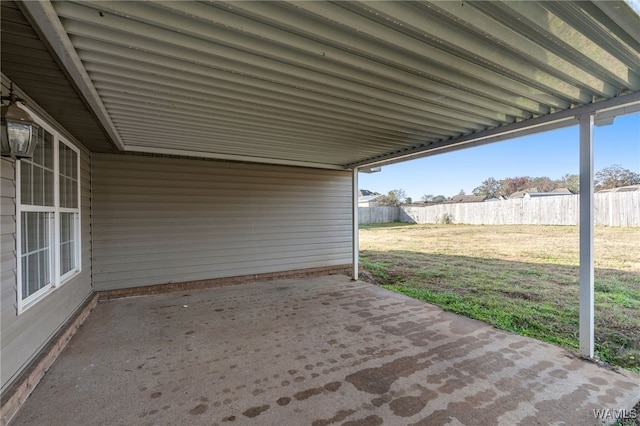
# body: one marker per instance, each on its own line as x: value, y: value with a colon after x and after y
x: 317, y: 351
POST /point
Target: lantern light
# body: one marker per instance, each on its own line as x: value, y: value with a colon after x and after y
x: 17, y: 129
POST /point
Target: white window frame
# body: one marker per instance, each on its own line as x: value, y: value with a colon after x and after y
x: 54, y: 217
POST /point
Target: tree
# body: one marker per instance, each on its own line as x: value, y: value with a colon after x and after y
x: 490, y: 188
x: 615, y: 176
x: 462, y: 192
x: 408, y: 200
x: 571, y: 182
x: 394, y: 198
x: 438, y: 199
x: 427, y: 197
x: 509, y: 186
x: 543, y: 184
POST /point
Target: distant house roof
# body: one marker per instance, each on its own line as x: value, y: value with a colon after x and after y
x: 546, y: 194
x: 521, y: 194
x: 534, y: 193
x: 365, y: 192
x: 368, y: 198
x: 566, y: 191
x: 468, y: 198
x: 630, y: 188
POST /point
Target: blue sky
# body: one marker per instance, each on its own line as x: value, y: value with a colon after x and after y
x: 551, y: 154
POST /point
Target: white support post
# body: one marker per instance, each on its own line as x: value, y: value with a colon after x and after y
x: 354, y: 203
x: 586, y: 237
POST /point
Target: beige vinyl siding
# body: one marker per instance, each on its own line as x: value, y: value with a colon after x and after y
x: 7, y: 243
x: 24, y: 335
x: 160, y: 220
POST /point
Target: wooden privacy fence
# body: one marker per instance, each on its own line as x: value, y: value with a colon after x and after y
x: 378, y: 215
x: 611, y: 209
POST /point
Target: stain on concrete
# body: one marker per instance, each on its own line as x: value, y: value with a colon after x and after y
x: 339, y: 416
x: 519, y: 345
x: 463, y: 413
x: 256, y: 411
x: 402, y: 328
x: 333, y: 386
x: 156, y: 394
x: 485, y: 365
x: 379, y: 402
x: 559, y: 373
x: 619, y: 384
x: 574, y: 365
x: 426, y: 338
x: 306, y: 394
x: 573, y: 403
x: 611, y: 395
x: 353, y: 328
x: 378, y: 380
x: 462, y: 327
x: 199, y: 409
x: 452, y: 385
x: 598, y: 381
x: 372, y: 420
x: 408, y: 406
x: 480, y: 398
x: 285, y: 400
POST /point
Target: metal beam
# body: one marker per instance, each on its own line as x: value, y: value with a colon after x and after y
x: 356, y: 242
x: 621, y: 105
x: 586, y: 237
x: 230, y: 157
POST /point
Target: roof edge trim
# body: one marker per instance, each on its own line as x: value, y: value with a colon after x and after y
x: 44, y: 16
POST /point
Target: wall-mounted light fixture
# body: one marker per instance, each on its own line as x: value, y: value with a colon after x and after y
x: 17, y: 129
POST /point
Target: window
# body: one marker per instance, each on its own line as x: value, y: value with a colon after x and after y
x: 48, y: 216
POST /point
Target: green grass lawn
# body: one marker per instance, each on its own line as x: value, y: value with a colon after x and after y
x: 518, y: 278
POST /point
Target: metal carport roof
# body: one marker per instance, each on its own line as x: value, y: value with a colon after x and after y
x: 338, y: 85
x: 325, y: 84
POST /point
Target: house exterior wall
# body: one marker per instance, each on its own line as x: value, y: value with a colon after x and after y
x: 24, y: 335
x: 166, y: 220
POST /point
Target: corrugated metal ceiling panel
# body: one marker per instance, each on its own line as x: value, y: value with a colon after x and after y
x: 338, y: 83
